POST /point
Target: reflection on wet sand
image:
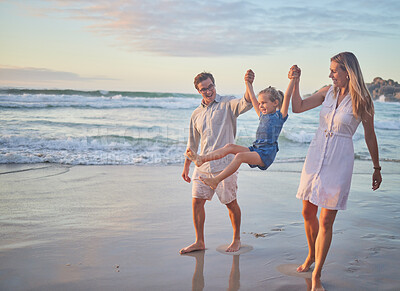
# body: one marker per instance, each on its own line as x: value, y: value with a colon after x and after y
x: 309, y: 283
x: 234, y: 276
x: 291, y: 270
x: 198, y: 275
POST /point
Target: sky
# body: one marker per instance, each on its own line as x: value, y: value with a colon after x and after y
x: 160, y: 45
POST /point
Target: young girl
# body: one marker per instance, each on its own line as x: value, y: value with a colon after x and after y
x: 263, y: 151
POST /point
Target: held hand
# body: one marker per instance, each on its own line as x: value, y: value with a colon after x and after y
x: 376, y: 179
x: 295, y: 68
x: 249, y: 77
x: 294, y: 72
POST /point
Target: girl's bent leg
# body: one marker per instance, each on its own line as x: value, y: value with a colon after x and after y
x: 224, y: 151
x: 311, y: 227
x: 215, y: 155
x: 241, y: 157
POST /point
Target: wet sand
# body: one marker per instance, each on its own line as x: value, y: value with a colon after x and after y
x: 121, y: 228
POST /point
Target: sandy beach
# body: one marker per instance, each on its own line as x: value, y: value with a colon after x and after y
x: 121, y: 227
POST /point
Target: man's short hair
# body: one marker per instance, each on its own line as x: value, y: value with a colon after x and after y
x: 202, y: 77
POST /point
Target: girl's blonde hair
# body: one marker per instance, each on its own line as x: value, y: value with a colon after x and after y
x: 273, y: 95
x: 360, y: 96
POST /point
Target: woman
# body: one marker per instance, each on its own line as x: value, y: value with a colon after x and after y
x: 327, y: 171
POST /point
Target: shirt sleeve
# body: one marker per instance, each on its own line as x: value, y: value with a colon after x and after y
x: 194, y: 137
x: 239, y: 106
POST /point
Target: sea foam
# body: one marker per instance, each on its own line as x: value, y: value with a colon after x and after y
x: 109, y: 150
x: 98, y: 102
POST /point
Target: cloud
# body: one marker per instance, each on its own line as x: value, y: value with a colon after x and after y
x: 8, y: 73
x: 221, y: 27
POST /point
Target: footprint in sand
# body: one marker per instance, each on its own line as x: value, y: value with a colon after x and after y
x: 355, y: 265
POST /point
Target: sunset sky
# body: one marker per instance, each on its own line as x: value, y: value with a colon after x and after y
x: 159, y: 46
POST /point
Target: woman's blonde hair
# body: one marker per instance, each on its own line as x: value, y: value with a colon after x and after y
x: 360, y: 96
x: 273, y: 95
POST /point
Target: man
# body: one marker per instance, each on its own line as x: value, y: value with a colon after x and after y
x: 213, y: 125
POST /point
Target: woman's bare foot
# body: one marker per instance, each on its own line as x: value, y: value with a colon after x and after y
x: 195, y: 158
x: 234, y: 246
x: 197, y: 246
x: 306, y: 265
x: 212, y: 182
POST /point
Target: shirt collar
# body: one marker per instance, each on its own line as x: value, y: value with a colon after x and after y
x: 217, y: 99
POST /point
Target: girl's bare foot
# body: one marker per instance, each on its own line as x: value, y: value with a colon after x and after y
x: 197, y: 246
x: 306, y: 265
x: 209, y: 182
x: 234, y: 246
x: 195, y: 158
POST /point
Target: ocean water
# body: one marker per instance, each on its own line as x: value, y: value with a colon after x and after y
x: 144, y: 128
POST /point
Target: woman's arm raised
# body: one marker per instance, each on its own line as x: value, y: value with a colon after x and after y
x: 298, y: 104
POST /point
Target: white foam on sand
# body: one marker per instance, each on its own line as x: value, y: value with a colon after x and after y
x: 291, y: 270
x: 243, y: 249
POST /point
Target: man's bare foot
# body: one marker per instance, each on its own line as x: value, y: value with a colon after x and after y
x: 197, y: 246
x: 209, y: 182
x: 195, y: 158
x: 306, y: 265
x: 234, y: 246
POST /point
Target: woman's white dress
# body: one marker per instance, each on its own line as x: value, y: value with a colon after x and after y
x: 326, y: 176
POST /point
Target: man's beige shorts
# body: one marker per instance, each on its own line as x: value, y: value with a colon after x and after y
x: 226, y: 190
